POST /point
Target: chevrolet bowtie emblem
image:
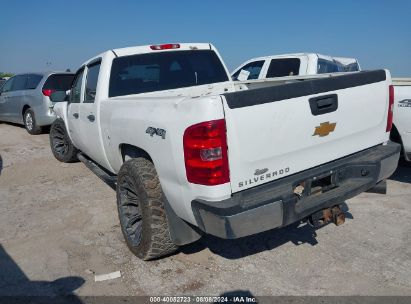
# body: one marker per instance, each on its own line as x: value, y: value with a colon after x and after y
x: 324, y: 129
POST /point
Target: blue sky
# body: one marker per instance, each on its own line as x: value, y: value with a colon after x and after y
x: 43, y: 35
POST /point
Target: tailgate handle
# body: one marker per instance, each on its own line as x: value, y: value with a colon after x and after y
x: 323, y: 104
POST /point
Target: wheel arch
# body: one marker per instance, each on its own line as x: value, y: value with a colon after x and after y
x: 128, y: 151
x: 182, y: 233
x: 25, y: 108
x: 395, y: 136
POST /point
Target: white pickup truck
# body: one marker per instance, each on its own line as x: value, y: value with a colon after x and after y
x: 401, y: 132
x: 256, y: 71
x: 293, y: 65
x: 192, y: 152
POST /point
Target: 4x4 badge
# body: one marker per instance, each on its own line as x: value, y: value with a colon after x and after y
x: 324, y: 129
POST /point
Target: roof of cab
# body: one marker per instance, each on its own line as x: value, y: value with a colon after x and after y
x: 147, y: 48
x: 297, y: 55
x: 133, y: 50
x: 45, y: 73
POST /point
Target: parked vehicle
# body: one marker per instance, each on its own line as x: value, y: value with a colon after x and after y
x: 401, y: 132
x: 293, y: 65
x: 264, y: 68
x: 192, y: 152
x: 25, y: 98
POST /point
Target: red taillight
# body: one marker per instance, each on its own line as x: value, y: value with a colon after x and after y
x: 205, y: 153
x: 48, y: 92
x: 167, y: 46
x: 390, y: 108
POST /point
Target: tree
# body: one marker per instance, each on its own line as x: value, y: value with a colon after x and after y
x: 6, y: 74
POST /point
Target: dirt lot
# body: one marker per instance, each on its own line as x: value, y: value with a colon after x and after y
x: 59, y: 227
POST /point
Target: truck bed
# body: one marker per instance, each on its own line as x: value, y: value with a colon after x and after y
x: 401, y: 81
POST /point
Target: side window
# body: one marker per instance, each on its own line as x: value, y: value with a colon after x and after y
x: 33, y: 81
x: 19, y: 83
x: 8, y: 85
x: 254, y: 68
x: 283, y: 67
x: 75, y: 94
x: 91, y: 82
x: 326, y: 66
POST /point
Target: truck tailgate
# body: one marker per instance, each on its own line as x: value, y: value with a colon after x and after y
x: 281, y: 130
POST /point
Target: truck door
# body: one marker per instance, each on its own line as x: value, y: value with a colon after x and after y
x: 90, y: 116
x: 73, y: 112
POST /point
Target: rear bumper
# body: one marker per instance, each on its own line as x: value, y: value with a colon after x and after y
x: 44, y: 113
x: 45, y: 117
x: 274, y: 204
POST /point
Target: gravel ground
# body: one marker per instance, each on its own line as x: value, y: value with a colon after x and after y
x: 59, y: 228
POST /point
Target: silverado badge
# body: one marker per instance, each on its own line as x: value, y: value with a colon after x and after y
x: 324, y: 129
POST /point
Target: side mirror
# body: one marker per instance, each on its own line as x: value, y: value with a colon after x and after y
x: 58, y: 96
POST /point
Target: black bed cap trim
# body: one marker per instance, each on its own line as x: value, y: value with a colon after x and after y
x: 274, y: 93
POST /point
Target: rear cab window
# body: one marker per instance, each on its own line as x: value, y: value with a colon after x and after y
x: 284, y: 67
x: 58, y: 82
x: 164, y: 71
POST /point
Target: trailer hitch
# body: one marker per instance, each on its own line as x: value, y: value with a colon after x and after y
x: 325, y: 216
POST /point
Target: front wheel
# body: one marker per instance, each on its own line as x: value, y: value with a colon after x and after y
x: 140, y: 202
x: 30, y: 122
x: 60, y: 143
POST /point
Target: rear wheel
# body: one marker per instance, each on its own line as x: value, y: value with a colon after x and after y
x: 60, y: 143
x: 30, y: 122
x: 140, y: 202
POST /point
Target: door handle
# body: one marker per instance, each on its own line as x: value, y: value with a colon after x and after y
x: 91, y: 117
x: 75, y: 115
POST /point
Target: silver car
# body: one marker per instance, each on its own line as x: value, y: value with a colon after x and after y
x: 25, y: 98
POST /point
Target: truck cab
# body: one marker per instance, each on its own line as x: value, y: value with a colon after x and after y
x: 293, y: 65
